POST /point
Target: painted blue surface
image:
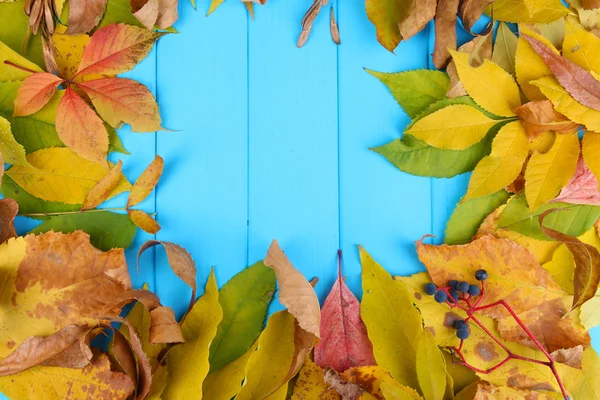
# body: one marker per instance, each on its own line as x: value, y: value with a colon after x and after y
x: 270, y: 141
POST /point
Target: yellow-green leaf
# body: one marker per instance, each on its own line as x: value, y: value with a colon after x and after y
x: 582, y: 47
x: 505, y: 48
x: 393, y: 392
x: 547, y: 173
x: 529, y: 66
x: 498, y: 170
x: 10, y: 73
x: 58, y: 174
x: 386, y: 15
x: 226, y: 382
x: 565, y: 104
x: 12, y: 151
x: 393, y: 324
x: 591, y: 152
x: 489, y: 85
x: 268, y: 367
x: 527, y: 10
x: 455, y: 127
x: 188, y: 362
x: 431, y: 367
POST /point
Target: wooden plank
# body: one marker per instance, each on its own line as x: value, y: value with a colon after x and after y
x: 293, y: 179
x: 382, y: 209
x: 202, y: 196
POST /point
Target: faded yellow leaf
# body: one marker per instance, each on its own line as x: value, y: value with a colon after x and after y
x: 483, y: 390
x: 268, y: 367
x: 591, y: 152
x: 546, y: 174
x: 370, y: 378
x: 188, y: 362
x: 590, y: 312
x: 489, y: 85
x: 431, y: 367
x: 582, y: 47
x: 529, y: 66
x: 498, y: 170
x: 583, y: 383
x: 310, y: 384
x: 393, y: 324
x: 565, y: 104
x: 455, y: 127
x: 505, y: 48
x: 527, y: 10
x: 226, y: 382
x: 58, y: 174
x: 541, y: 249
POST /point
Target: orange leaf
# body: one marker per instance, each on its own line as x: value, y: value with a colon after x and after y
x: 144, y: 221
x: 146, y: 182
x: 102, y: 189
x: 80, y: 128
x: 116, y: 48
x: 539, y: 117
x: 35, y: 91
x: 120, y: 100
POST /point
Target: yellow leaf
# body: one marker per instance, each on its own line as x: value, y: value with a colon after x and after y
x: 12, y: 152
x: 565, y: 104
x: 69, y: 49
x: 562, y: 267
x: 489, y: 85
x: 547, y: 173
x: 527, y: 10
x: 95, y: 381
x: 10, y: 73
x: 370, y: 378
x: 188, y: 362
x: 530, y: 66
x: 268, y: 367
x: 590, y: 312
x: 483, y: 390
x: 583, y: 383
x: 541, y: 249
x: 582, y: 47
x: 159, y: 382
x: 102, y: 189
x: 58, y: 174
x: 431, y: 367
x: 460, y: 375
x: 591, y: 152
x: 394, y: 392
x: 454, y: 127
x: 393, y: 324
x: 311, y: 384
x: 505, y: 48
x: 498, y: 170
x: 226, y: 382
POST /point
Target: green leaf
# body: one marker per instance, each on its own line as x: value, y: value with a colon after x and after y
x: 572, y: 219
x: 114, y: 141
x: 118, y: 11
x: 107, y: 230
x: 13, y: 31
x: 244, y: 299
x: 415, y: 90
x: 12, y: 152
x: 468, y: 216
x: 29, y: 204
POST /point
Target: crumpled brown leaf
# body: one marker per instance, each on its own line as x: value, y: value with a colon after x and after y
x: 572, y: 357
x: 538, y: 117
x: 160, y: 13
x: 84, y: 15
x: 419, y: 15
x: 445, y: 32
x: 8, y: 211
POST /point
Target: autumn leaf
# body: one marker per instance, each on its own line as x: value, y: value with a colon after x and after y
x: 146, y: 182
x: 445, y: 32
x: 582, y: 188
x: 483, y: 390
x: 371, y: 379
x: 583, y: 383
x: 311, y: 384
x: 505, y: 48
x: 591, y: 152
x: 470, y: 11
x: 344, y: 341
x: 84, y: 15
x: 9, y: 73
x: 10, y: 150
x: 35, y: 92
x: 538, y: 117
x: 418, y: 16
x: 8, y: 211
x: 386, y: 15
x: 100, y: 192
x: 162, y: 13
x: 527, y: 10
x: 144, y: 221
x: 431, y: 367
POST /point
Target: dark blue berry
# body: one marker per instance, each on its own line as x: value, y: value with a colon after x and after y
x: 462, y: 287
x: 440, y: 296
x: 430, y: 288
x: 474, y: 290
x: 481, y: 275
x: 453, y: 284
x: 460, y: 324
x: 454, y: 295
x: 462, y: 333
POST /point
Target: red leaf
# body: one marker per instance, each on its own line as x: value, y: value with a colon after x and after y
x: 116, y: 48
x: 344, y: 342
x: 576, y: 80
x: 35, y: 91
x: 582, y: 188
x: 80, y: 128
x: 120, y: 100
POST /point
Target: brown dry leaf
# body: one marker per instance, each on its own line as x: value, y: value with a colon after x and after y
x: 590, y: 4
x: 572, y: 357
x: 347, y: 390
x: 144, y: 371
x: 69, y: 348
x: 576, y: 80
x: 122, y: 356
x: 311, y: 384
x: 514, y: 274
x: 307, y: 22
x: 103, y: 188
x: 538, y: 117
x: 419, y: 15
x: 144, y: 221
x: 445, y: 32
x: 162, y: 13
x: 587, y: 263
x: 8, y: 211
x: 469, y: 11
x: 146, y: 182
x: 333, y: 27
x: 295, y: 293
x: 84, y: 15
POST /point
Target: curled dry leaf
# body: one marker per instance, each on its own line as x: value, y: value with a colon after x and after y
x: 587, y: 263
x: 582, y: 188
x: 419, y: 15
x: 576, y: 80
x: 100, y: 192
x: 84, y: 15
x: 146, y: 182
x: 572, y: 357
x: 445, y: 32
x: 470, y: 11
x: 333, y: 27
x: 538, y: 117
x: 307, y: 22
x: 144, y: 221
x: 122, y: 356
x: 8, y: 211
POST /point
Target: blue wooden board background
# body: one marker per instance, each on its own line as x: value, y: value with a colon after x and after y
x: 270, y: 141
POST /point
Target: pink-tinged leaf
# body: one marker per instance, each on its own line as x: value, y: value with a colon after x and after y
x: 344, y: 342
x: 576, y: 80
x: 80, y: 128
x: 582, y: 188
x: 116, y: 48
x: 84, y: 15
x: 35, y: 91
x: 120, y: 100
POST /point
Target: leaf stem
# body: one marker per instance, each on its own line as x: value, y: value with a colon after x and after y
x: 12, y: 64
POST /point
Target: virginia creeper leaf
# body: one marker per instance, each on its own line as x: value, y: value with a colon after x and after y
x: 146, y: 182
x: 583, y: 383
x: 35, y: 92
